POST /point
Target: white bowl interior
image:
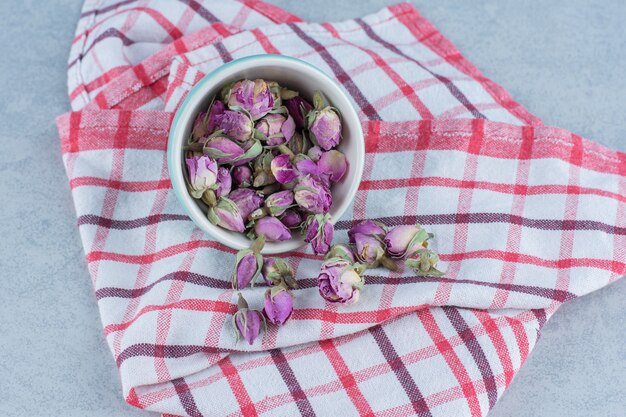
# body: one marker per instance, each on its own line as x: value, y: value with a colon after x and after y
x: 296, y: 75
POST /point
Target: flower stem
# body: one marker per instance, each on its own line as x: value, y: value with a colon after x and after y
x: 258, y: 244
x: 388, y: 263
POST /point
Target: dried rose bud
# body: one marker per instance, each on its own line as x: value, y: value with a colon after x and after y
x: 323, y: 124
x: 424, y: 262
x: 299, y: 144
x: 247, y: 200
x: 340, y: 281
x: 255, y: 97
x: 306, y: 166
x: 278, y: 202
x: 315, y: 153
x: 272, y: 229
x: 199, y: 126
x: 248, y: 264
x: 278, y: 304
x: 225, y: 182
x: 319, y: 233
x: 367, y: 238
x: 334, y: 164
x: 224, y: 150
x: 325, y: 128
x: 227, y: 215
x: 340, y: 251
x: 202, y: 172
x: 369, y: 249
x: 263, y: 170
x: 242, y: 176
x: 298, y: 108
x: 404, y: 240
x: 283, y: 170
x: 276, y: 271
x: 312, y: 196
x: 291, y: 218
x: 253, y: 148
x: 246, y: 322
x: 216, y: 109
x: 277, y: 128
x: 369, y: 228
x: 236, y: 125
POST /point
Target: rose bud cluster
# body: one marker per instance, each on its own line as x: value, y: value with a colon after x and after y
x: 263, y: 158
x: 367, y: 239
x: 278, y: 301
x: 373, y: 245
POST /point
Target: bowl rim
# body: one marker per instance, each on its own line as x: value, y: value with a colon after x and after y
x: 246, y: 62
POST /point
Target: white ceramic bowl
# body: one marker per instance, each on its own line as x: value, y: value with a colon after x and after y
x: 290, y: 72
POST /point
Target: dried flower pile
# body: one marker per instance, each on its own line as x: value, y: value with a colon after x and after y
x: 263, y: 160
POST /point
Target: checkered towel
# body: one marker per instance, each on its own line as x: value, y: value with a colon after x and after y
x: 526, y: 217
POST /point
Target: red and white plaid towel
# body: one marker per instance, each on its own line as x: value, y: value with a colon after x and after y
x: 526, y: 217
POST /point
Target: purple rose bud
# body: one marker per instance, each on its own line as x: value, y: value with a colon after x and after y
x: 319, y: 233
x: 369, y: 249
x: 306, y: 167
x: 263, y: 170
x: 278, y: 304
x: 312, y: 196
x: 247, y: 322
x: 315, y: 153
x: 298, y: 109
x: 272, y: 229
x: 217, y: 108
x: 276, y: 271
x: 369, y: 228
x: 334, y: 164
x: 253, y: 96
x: 227, y: 215
x: 202, y: 172
x: 247, y: 200
x: 199, y: 126
x: 225, y: 182
x: 236, y: 125
x: 340, y: 281
x: 404, y: 240
x: 277, y: 128
x: 242, y: 176
x: 283, y: 170
x: 291, y: 218
x: 278, y: 202
x: 224, y: 150
x: 248, y: 266
x: 342, y: 252
x: 325, y: 128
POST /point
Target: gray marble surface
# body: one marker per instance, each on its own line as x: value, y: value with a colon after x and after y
x: 565, y: 60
